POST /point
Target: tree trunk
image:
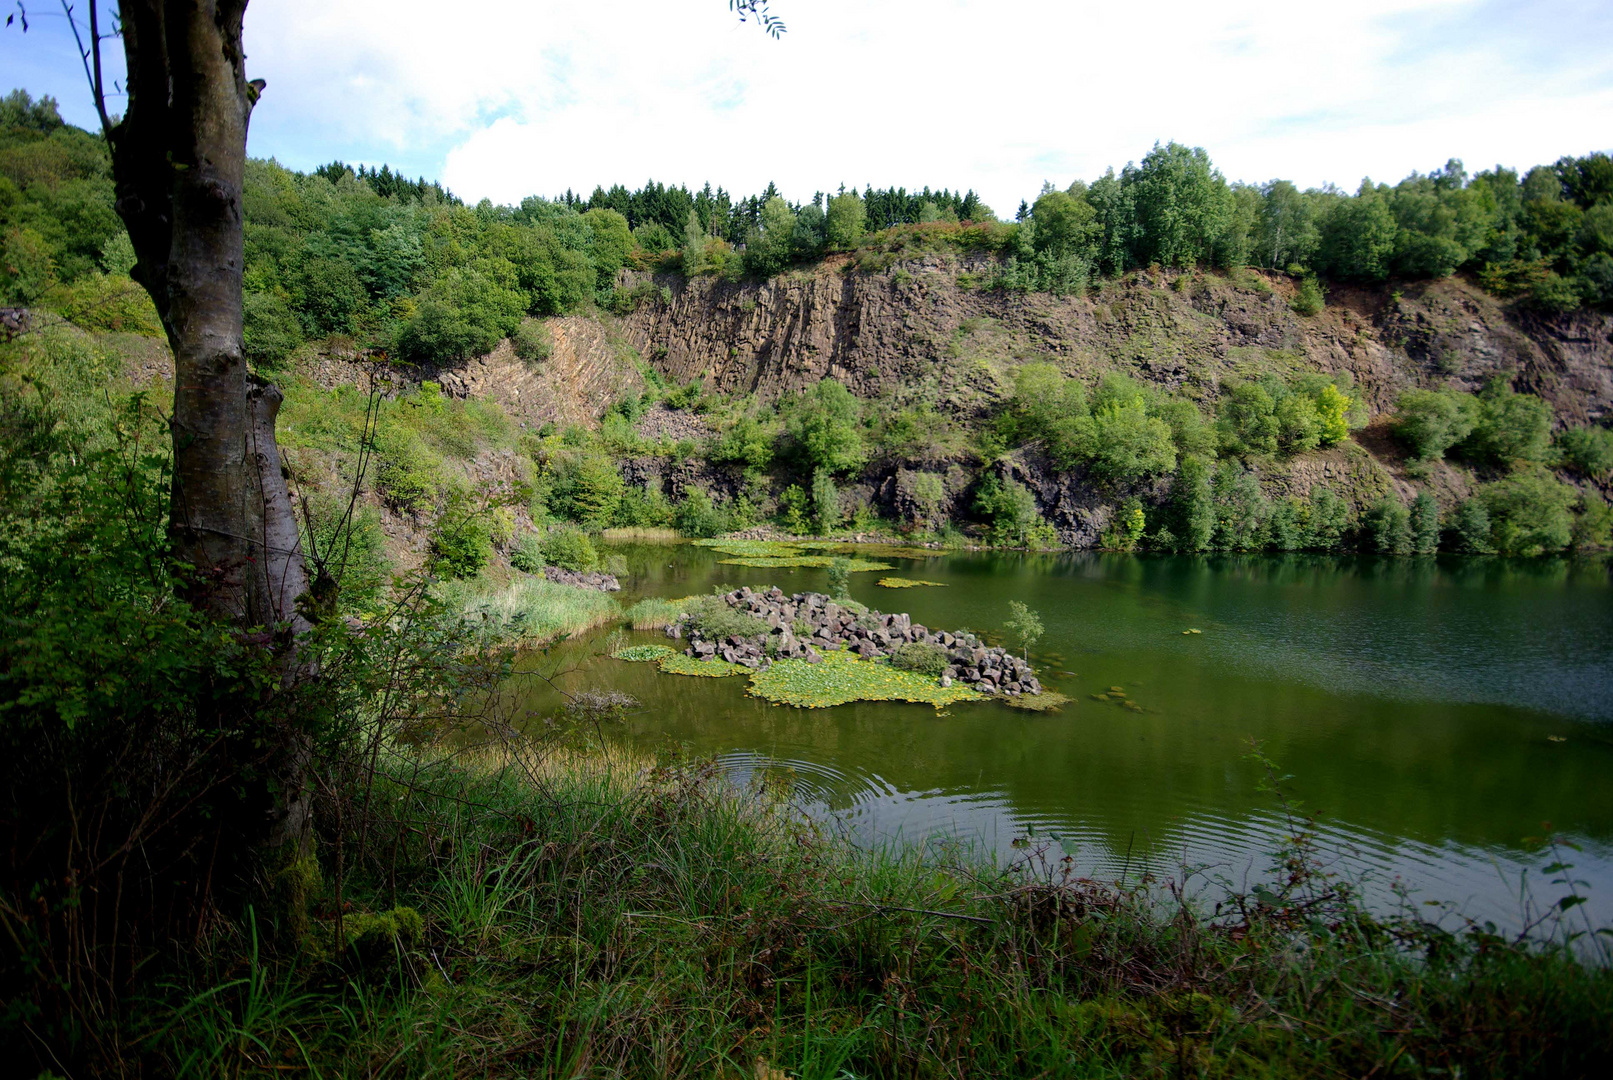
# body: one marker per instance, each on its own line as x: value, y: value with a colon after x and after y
x: 178, y: 162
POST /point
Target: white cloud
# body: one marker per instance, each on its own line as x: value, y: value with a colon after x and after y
x: 509, y: 99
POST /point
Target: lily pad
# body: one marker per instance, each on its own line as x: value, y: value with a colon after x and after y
x: 680, y: 664
x: 842, y: 677
x: 644, y: 653
x: 813, y: 561
x: 752, y: 548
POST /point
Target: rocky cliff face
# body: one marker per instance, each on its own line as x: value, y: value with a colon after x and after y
x: 922, y: 331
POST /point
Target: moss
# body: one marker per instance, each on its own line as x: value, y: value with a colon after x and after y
x: 375, y: 937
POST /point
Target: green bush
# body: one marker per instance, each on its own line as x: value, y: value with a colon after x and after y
x: 1308, y: 299
x: 532, y: 341
x: 1009, y: 511
x: 527, y: 555
x: 1429, y: 422
x: 587, y: 488
x: 1468, y: 529
x: 1242, y: 513
x: 1424, y: 524
x: 919, y: 656
x: 643, y: 507
x: 716, y: 619
x: 1586, y: 450
x: 840, y: 578
x: 1529, y: 512
x: 1386, y: 527
x: 826, y: 510
x: 569, y: 548
x: 1593, y: 524
x: 825, y: 426
x: 462, y: 546
x: 1511, y: 427
x: 698, y: 516
x: 270, y: 328
x: 1327, y: 521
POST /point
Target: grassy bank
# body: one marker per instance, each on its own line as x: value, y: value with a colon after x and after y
x: 528, y: 611
x: 593, y: 915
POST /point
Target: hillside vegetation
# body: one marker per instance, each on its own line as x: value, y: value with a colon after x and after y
x: 1157, y: 360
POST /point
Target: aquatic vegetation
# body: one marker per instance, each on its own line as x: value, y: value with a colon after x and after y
x: 644, y: 653
x: 1192, y: 631
x: 752, y: 548
x: 1048, y: 701
x: 841, y: 677
x: 655, y: 612
x: 679, y: 664
x: 905, y: 583
x: 872, y: 551
x: 810, y: 561
x: 529, y: 611
x: 1116, y: 695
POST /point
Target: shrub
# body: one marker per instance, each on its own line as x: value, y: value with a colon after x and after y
x: 792, y: 508
x: 1328, y: 520
x: 527, y: 556
x: 1127, y: 444
x: 840, y: 578
x: 1308, y: 300
x: 1586, y: 450
x: 1387, y: 527
x: 270, y: 328
x: 1248, y: 419
x: 1511, y: 427
x: 532, y: 341
x: 1468, y: 530
x: 919, y: 656
x: 826, y: 509
x: 569, y: 548
x: 1593, y: 525
x: 1529, y: 512
x: 112, y: 302
x: 1194, y: 505
x: 1009, y: 510
x: 825, y: 424
x: 714, y: 617
x: 698, y: 516
x: 1429, y: 422
x: 462, y: 546
x: 643, y: 507
x: 1242, y: 513
x: 1424, y: 524
x: 587, y: 488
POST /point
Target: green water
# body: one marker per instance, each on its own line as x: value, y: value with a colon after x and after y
x: 1414, y: 701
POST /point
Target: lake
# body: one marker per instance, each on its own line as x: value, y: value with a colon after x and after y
x: 1434, y: 714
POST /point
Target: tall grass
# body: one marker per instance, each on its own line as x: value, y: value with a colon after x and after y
x: 528, y: 611
x: 655, y: 612
x: 591, y: 915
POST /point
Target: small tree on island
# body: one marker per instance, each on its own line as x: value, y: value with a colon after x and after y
x: 1025, y: 625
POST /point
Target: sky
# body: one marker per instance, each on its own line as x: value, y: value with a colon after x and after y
x: 507, y: 99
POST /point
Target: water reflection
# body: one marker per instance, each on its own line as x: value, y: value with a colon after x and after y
x: 1417, y: 702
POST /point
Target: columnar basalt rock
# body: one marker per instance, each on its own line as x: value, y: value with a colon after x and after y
x: 803, y: 625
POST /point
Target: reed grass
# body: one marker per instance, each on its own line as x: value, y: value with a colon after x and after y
x: 605, y: 916
x: 528, y: 611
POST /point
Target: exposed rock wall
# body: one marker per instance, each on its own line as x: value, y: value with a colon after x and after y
x: 921, y: 331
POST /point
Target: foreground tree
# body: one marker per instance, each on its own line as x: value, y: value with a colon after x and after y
x: 178, y: 162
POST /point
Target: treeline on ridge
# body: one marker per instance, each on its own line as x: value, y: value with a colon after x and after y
x: 405, y: 265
